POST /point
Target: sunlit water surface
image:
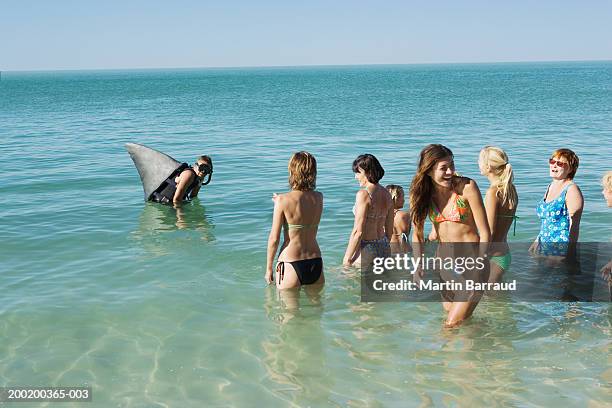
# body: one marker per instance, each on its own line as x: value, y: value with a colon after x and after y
x: 154, y: 308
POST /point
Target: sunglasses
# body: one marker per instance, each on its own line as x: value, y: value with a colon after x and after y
x: 552, y: 161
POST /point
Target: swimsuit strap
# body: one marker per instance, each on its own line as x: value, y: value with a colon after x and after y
x: 370, y: 194
x: 546, y: 193
x: 300, y: 226
x: 280, y: 270
x: 514, y: 217
x: 564, y: 191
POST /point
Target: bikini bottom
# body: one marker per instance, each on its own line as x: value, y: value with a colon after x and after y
x: 308, y: 270
x: 503, y: 261
x: 376, y: 248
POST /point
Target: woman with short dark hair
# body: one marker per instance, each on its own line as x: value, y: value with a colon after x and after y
x: 561, y: 207
x: 373, y: 211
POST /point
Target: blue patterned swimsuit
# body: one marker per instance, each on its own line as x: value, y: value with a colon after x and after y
x: 555, y: 224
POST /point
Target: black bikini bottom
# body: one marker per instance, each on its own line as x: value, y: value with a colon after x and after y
x: 308, y: 270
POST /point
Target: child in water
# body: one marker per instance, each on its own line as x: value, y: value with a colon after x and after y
x: 401, y: 221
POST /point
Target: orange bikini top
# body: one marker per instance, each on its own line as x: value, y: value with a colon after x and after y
x: 460, y: 210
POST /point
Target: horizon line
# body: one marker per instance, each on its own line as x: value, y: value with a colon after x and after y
x: 304, y: 66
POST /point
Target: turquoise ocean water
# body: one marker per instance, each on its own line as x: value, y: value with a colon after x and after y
x: 154, y: 308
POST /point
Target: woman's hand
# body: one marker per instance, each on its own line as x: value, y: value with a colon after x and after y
x: 418, y: 275
x: 268, y: 277
x: 533, y: 249
x: 361, y: 207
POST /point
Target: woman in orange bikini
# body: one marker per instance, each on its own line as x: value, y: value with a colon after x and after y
x: 455, y: 208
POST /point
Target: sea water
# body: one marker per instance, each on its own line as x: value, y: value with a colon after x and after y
x: 150, y: 307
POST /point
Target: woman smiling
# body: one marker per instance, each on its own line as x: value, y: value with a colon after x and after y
x: 561, y: 207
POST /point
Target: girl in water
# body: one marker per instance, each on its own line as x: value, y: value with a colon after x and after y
x: 298, y: 213
x: 501, y: 201
x: 561, y: 207
x: 401, y: 221
x: 606, y: 182
x: 454, y: 206
x: 373, y: 226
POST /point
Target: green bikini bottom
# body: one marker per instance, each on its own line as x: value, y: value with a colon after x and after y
x: 503, y: 261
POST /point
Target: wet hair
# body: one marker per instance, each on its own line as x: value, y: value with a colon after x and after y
x: 572, y: 160
x: 396, y: 192
x: 302, y: 171
x: 422, y: 188
x: 370, y: 166
x: 497, y: 160
x: 606, y: 180
x: 206, y: 159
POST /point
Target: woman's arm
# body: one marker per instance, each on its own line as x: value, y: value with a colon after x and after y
x: 184, y: 180
x: 389, y: 221
x: 403, y: 227
x: 491, y: 204
x: 472, y: 193
x: 354, y: 244
x: 274, y: 237
x: 575, y: 204
x: 196, y: 190
x: 403, y: 224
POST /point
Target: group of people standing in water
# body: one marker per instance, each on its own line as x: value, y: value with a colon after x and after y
x: 452, y: 203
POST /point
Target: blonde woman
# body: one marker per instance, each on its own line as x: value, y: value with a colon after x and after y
x: 298, y: 212
x: 401, y: 221
x: 501, y: 201
x: 606, y: 182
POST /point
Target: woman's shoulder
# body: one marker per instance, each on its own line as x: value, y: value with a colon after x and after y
x: 318, y: 196
x: 187, y: 172
x: 573, y: 187
x: 307, y: 195
x: 574, y: 192
x: 462, y: 184
x: 492, y: 194
x: 402, y: 215
x: 383, y: 192
x: 362, y: 195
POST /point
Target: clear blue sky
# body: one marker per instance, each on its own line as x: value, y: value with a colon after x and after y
x: 60, y: 34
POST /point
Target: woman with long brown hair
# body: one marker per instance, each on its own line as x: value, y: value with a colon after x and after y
x: 455, y: 208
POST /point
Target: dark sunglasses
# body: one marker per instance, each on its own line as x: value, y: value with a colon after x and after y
x: 552, y: 161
